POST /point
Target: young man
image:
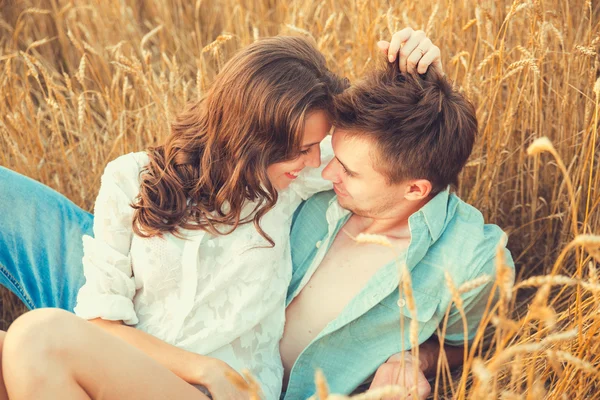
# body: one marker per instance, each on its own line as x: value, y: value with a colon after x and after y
x: 399, y: 142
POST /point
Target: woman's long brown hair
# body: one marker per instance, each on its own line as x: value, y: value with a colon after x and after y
x: 215, y: 159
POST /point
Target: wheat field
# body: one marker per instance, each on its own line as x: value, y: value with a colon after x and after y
x: 82, y: 82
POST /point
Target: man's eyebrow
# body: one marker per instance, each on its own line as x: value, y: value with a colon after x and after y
x: 345, y: 167
x: 311, y: 144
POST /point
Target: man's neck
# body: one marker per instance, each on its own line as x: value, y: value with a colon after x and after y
x: 394, y: 223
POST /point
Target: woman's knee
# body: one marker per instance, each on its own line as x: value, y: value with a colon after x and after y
x: 38, y: 335
x: 36, y: 351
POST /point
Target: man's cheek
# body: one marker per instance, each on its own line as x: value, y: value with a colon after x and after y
x: 354, y: 189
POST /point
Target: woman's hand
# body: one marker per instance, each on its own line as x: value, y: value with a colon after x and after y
x: 215, y: 375
x: 416, y: 51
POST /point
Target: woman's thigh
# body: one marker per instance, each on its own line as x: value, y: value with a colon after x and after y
x: 103, y: 365
x: 40, y: 242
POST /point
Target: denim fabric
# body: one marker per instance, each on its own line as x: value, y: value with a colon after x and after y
x: 446, y: 235
x: 40, y: 242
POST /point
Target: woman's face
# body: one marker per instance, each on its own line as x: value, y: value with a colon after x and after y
x: 316, y: 127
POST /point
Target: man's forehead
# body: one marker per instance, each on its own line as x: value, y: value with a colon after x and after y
x: 350, y: 136
x: 352, y: 149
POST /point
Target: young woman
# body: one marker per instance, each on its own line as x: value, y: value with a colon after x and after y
x: 190, y: 244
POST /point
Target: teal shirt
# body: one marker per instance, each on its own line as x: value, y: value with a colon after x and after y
x: 446, y: 235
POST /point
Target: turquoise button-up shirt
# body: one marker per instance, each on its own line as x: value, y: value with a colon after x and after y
x: 447, y: 234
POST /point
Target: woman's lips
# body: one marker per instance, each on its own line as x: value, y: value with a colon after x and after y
x: 291, y: 176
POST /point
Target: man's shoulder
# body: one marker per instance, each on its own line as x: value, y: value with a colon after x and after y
x: 312, y: 211
x: 470, y: 221
x: 468, y: 237
x: 321, y: 200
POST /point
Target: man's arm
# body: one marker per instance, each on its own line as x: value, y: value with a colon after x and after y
x: 429, y: 353
x: 475, y: 305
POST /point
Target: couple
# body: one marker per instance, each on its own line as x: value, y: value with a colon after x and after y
x: 200, y: 249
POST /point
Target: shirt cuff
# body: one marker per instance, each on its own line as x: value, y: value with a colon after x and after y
x: 110, y: 307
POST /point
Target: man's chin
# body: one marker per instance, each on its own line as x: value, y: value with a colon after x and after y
x: 344, y: 203
x: 353, y: 208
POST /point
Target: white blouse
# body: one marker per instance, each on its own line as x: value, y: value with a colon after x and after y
x: 220, y: 296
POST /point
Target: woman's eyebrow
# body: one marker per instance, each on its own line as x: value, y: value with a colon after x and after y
x: 311, y: 144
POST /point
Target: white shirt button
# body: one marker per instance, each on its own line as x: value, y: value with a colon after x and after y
x: 318, y: 245
x: 401, y: 303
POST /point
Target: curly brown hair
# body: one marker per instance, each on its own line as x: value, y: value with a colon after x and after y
x: 215, y: 159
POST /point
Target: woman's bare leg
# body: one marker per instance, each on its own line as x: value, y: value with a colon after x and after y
x: 50, y: 354
x: 3, y: 395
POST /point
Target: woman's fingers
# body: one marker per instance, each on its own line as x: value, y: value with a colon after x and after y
x: 398, y: 39
x: 431, y: 58
x: 415, y: 58
x: 414, y: 50
x: 383, y: 46
x: 411, y: 44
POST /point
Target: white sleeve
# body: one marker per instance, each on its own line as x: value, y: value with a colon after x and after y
x: 310, y: 180
x: 109, y: 288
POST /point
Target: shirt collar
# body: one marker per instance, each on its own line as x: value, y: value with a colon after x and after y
x: 335, y: 212
x: 434, y: 213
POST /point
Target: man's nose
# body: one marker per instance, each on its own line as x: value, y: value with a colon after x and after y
x: 330, y: 172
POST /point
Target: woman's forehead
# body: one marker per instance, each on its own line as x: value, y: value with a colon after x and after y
x: 316, y: 127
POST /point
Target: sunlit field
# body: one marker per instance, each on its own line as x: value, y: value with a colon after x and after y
x: 82, y: 82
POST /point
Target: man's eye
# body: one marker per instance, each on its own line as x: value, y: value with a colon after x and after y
x: 346, y: 171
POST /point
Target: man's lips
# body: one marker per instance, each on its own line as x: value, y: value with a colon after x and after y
x: 339, y: 192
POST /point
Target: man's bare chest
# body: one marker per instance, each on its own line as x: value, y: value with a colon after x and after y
x: 344, y: 272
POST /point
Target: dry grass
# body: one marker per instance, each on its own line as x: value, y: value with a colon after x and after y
x: 82, y: 82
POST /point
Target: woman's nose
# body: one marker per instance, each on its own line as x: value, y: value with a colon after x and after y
x: 313, y: 159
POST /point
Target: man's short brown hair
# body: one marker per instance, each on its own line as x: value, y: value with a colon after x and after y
x: 422, y: 127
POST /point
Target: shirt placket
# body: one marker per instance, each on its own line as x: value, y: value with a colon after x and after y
x: 336, y: 218
x: 377, y: 289
x: 189, y: 285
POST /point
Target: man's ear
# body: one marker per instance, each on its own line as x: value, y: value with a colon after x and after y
x: 417, y: 189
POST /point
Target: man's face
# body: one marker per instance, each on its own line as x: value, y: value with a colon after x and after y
x: 360, y: 188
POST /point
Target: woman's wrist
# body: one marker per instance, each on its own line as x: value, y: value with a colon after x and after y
x: 195, y: 368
